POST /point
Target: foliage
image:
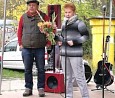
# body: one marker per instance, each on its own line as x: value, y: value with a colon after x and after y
x: 1, y: 9
x: 16, y: 9
x: 85, y: 10
x: 85, y: 7
x: 87, y: 46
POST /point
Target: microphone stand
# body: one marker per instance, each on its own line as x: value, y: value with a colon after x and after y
x: 53, y: 58
x: 65, y: 40
x: 103, y: 63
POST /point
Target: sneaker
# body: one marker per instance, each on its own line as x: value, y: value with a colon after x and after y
x: 41, y: 92
x: 27, y: 92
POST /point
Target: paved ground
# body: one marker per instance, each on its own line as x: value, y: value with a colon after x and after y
x: 15, y: 88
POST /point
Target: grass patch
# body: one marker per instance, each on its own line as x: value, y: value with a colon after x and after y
x: 9, y: 73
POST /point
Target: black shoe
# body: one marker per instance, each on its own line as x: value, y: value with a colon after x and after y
x: 41, y: 92
x: 27, y: 92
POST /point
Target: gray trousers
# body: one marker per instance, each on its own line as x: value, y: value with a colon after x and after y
x: 74, y: 66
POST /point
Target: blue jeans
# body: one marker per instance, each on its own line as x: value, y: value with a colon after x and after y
x: 29, y: 55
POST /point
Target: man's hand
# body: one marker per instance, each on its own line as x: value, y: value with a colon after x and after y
x: 21, y: 47
x: 59, y: 43
x: 70, y: 43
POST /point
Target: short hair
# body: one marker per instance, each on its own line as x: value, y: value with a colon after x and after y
x: 71, y: 6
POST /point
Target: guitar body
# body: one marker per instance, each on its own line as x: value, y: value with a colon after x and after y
x: 108, y: 78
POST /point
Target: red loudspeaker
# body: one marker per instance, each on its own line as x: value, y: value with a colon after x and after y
x: 55, y: 9
x: 54, y: 82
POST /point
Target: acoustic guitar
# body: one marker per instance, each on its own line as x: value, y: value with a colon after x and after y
x: 108, y: 77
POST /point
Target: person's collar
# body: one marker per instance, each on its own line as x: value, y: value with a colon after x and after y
x: 70, y: 20
x: 73, y: 18
x: 31, y: 15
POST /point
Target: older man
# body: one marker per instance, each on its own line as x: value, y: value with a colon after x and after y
x: 32, y: 42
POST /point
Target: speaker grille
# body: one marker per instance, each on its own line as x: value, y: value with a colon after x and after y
x: 52, y: 82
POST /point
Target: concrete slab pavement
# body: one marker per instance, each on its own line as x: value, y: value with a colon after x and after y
x: 15, y: 89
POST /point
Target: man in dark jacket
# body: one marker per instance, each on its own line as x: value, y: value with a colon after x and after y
x: 32, y: 42
x: 74, y: 33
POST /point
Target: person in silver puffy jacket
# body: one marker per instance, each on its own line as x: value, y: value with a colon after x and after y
x: 74, y: 34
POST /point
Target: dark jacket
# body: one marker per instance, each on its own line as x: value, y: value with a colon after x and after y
x: 76, y: 31
x: 31, y: 35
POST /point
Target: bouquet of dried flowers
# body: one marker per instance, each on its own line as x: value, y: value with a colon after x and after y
x: 48, y: 29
